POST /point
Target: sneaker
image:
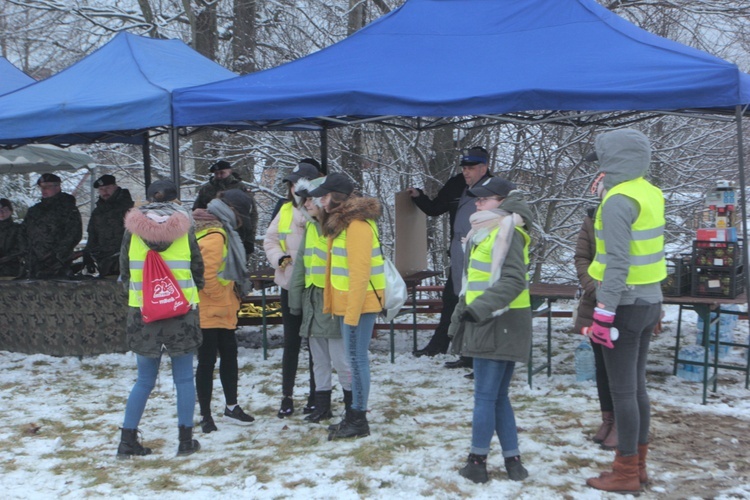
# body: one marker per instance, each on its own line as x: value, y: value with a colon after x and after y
x: 238, y: 415
x: 208, y: 425
x: 309, y: 408
x: 287, y: 407
x: 516, y: 470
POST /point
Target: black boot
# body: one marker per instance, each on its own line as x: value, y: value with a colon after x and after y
x: 347, y: 406
x: 354, y: 425
x: 516, y: 470
x: 188, y: 445
x: 129, y: 445
x: 475, y: 468
x: 322, y: 407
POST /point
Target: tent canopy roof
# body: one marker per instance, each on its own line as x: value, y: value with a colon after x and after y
x: 12, y: 78
x: 41, y: 158
x: 113, y: 94
x: 456, y: 58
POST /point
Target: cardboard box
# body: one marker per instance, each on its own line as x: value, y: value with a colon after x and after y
x: 716, y: 234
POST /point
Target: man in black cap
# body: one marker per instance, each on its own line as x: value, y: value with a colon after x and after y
x: 453, y: 198
x: 52, y: 229
x: 11, y: 241
x: 222, y: 179
x: 106, y: 227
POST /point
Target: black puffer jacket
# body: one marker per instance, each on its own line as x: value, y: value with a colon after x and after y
x: 10, y: 246
x: 105, y: 230
x: 52, y: 229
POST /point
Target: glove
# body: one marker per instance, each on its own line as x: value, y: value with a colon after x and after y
x: 285, y: 261
x: 601, y: 331
x: 467, y: 317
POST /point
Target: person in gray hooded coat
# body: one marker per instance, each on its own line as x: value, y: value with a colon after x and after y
x: 492, y: 321
x: 629, y: 265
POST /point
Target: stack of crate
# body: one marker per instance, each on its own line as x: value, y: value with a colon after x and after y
x: 717, y: 269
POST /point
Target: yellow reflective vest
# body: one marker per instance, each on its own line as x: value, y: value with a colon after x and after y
x: 340, y: 265
x: 177, y: 257
x: 480, y: 270
x: 647, y: 263
x: 315, y: 256
x: 220, y: 230
x: 286, y: 214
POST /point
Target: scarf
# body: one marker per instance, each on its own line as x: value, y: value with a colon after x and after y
x: 482, y: 224
x: 236, y: 265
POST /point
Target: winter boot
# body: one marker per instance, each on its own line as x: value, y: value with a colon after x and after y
x: 642, y: 474
x: 309, y: 408
x: 287, y: 407
x: 208, y: 425
x: 608, y: 421
x: 129, y: 445
x: 622, y: 479
x: 188, y: 445
x: 475, y: 469
x: 516, y: 470
x: 347, y: 406
x: 354, y: 425
x: 322, y: 407
x: 610, y: 442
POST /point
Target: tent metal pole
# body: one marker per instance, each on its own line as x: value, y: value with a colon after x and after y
x: 146, y: 160
x: 324, y: 150
x: 741, y: 168
x: 174, y: 156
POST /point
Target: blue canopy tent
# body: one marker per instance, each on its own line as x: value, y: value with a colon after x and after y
x: 115, y: 94
x: 12, y: 78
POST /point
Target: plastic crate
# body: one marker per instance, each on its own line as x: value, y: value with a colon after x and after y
x: 677, y: 282
x: 717, y: 254
x: 717, y: 282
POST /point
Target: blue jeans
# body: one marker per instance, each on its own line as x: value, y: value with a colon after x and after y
x: 148, y: 369
x: 492, y: 410
x: 357, y: 344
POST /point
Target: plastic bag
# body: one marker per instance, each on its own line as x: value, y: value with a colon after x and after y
x: 395, y: 293
x: 162, y: 295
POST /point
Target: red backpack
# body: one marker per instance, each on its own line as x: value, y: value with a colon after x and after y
x: 162, y: 295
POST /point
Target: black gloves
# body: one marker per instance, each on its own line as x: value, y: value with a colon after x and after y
x: 468, y: 317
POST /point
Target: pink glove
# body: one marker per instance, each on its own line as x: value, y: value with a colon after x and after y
x: 601, y: 331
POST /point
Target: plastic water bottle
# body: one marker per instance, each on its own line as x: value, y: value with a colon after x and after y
x: 727, y: 322
x: 693, y: 373
x: 584, y: 357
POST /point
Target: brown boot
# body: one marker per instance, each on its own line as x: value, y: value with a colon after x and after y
x: 608, y: 421
x: 622, y: 479
x: 642, y: 474
x: 610, y: 442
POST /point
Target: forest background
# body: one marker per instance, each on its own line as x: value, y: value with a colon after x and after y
x: 43, y: 37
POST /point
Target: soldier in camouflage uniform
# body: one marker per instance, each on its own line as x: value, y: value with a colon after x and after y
x: 52, y: 229
x: 106, y: 227
x: 11, y: 247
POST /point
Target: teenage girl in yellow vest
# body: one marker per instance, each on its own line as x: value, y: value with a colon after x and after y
x: 225, y: 269
x: 281, y: 244
x: 629, y: 266
x: 306, y: 297
x: 165, y: 227
x: 354, y: 279
x: 492, y: 322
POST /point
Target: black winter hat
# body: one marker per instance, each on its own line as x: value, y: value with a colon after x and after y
x: 494, y: 186
x: 474, y: 156
x: 333, y: 183
x: 220, y: 165
x: 162, y: 191
x: 48, y: 178
x: 239, y: 200
x: 105, y: 180
x: 5, y: 202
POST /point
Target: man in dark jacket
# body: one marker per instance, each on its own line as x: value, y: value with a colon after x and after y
x: 453, y: 198
x: 52, y: 229
x: 106, y: 227
x: 11, y: 248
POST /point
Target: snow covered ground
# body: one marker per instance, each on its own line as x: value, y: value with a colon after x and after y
x: 61, y: 418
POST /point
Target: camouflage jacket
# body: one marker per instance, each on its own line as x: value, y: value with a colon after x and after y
x: 214, y: 186
x: 52, y: 229
x: 105, y: 230
x: 11, y: 248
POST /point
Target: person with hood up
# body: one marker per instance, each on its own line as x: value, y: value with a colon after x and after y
x: 492, y: 321
x: 164, y: 226
x: 355, y: 281
x: 11, y: 241
x: 52, y: 228
x: 306, y: 299
x: 106, y: 227
x: 281, y: 244
x: 629, y: 265
x: 225, y: 271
